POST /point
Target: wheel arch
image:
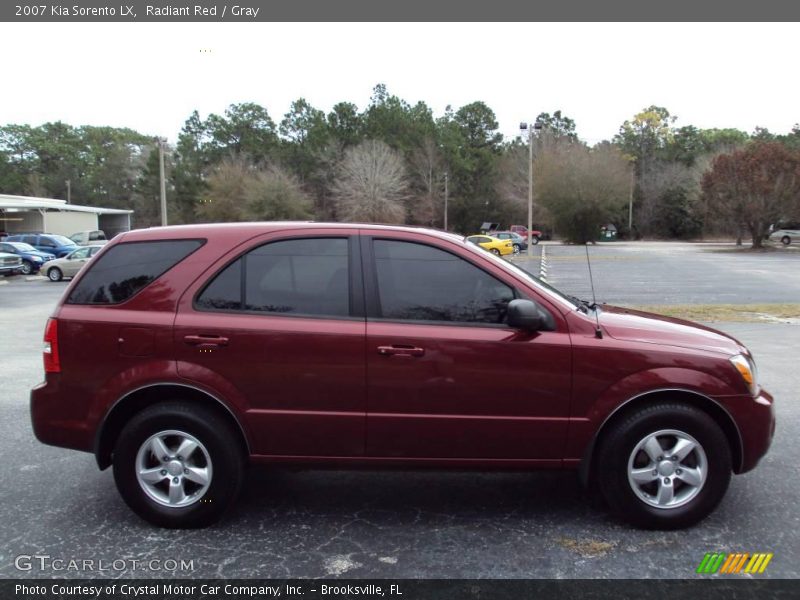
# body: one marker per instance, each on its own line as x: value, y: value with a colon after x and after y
x: 705, y: 403
x: 137, y: 400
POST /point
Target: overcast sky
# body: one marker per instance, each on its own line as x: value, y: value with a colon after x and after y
x: 150, y: 77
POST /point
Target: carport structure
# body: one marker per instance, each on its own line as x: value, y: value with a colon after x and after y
x: 23, y: 214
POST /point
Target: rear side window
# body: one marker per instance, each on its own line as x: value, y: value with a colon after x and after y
x: 302, y: 277
x: 127, y: 268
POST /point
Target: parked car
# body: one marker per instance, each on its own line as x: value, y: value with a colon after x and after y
x: 84, y: 238
x: 180, y: 354
x: 49, y: 243
x: 492, y: 244
x: 57, y: 269
x: 32, y: 259
x: 10, y: 264
x: 518, y: 242
x: 786, y: 233
x: 523, y: 231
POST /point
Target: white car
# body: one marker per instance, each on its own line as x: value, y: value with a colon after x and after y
x: 786, y: 235
x: 57, y: 269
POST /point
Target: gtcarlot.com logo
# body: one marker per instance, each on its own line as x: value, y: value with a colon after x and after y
x: 737, y: 562
x: 45, y: 562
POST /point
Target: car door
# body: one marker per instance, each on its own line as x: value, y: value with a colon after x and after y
x: 438, y: 351
x: 277, y: 328
x: 74, y: 262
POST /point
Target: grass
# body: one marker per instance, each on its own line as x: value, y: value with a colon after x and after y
x: 741, y: 313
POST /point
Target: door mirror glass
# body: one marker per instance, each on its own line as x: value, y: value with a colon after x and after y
x: 529, y: 316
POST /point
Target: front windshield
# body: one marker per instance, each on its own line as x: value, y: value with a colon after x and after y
x: 61, y: 240
x: 22, y: 247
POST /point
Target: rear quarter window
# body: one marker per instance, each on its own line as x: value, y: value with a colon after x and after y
x: 128, y: 268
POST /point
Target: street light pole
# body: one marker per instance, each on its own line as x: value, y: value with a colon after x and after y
x: 529, y: 128
x: 163, y: 180
x: 445, y: 200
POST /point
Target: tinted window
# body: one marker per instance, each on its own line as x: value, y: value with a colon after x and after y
x: 418, y: 282
x: 30, y: 239
x: 225, y: 291
x: 127, y: 268
x: 7, y: 248
x: 304, y: 276
x: 82, y: 253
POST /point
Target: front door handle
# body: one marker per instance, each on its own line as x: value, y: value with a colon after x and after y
x: 205, y: 340
x: 400, y: 350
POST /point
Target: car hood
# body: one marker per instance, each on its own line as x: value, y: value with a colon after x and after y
x: 38, y: 253
x: 637, y: 326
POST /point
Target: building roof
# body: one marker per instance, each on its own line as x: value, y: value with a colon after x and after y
x: 7, y: 201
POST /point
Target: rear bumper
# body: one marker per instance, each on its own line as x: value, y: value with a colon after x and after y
x: 55, y: 420
x: 757, y: 428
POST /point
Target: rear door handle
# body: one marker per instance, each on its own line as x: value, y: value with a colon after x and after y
x: 205, y: 340
x: 400, y: 350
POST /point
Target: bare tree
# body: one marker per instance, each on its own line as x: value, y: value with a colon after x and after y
x: 426, y: 167
x: 371, y: 185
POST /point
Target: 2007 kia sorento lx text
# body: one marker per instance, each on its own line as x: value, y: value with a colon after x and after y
x: 180, y: 354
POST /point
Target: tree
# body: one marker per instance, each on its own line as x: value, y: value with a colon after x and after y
x: 558, y: 125
x: 755, y: 186
x: 241, y: 191
x: 371, y: 185
x: 581, y: 187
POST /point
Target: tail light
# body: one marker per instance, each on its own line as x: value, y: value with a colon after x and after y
x: 52, y: 360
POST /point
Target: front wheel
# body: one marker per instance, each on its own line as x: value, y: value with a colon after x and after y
x: 664, y: 466
x: 534, y: 240
x: 786, y: 240
x: 27, y: 267
x: 495, y: 251
x: 516, y: 248
x: 178, y: 465
x: 55, y: 274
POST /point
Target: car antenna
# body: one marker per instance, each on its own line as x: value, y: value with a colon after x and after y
x: 598, y: 333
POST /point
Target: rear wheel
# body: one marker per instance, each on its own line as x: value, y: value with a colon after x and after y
x: 534, y: 240
x: 27, y: 267
x: 786, y: 240
x: 664, y: 466
x: 178, y: 465
x: 55, y: 274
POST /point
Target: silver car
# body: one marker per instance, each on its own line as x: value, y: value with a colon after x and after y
x: 69, y: 266
x: 786, y: 235
x: 10, y: 264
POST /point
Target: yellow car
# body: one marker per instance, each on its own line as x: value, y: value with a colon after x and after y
x: 492, y: 244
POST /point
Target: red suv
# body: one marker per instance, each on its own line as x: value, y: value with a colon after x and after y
x: 180, y: 354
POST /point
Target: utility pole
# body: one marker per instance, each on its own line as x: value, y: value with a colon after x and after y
x: 630, y: 204
x: 529, y: 128
x: 163, y: 180
x: 445, y: 200
x: 69, y: 191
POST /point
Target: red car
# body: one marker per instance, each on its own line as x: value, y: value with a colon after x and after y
x: 523, y: 231
x: 181, y: 354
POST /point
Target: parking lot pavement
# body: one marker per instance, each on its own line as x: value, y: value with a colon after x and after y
x: 674, y: 273
x: 393, y: 524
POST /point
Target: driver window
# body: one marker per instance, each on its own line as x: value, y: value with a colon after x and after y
x: 417, y: 282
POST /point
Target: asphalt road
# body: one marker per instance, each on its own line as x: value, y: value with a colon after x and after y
x: 673, y: 273
x: 397, y: 524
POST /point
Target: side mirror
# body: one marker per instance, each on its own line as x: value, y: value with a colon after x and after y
x: 529, y: 316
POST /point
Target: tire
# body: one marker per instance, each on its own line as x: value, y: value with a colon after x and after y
x: 786, y: 240
x: 216, y: 465
x: 516, y: 249
x: 27, y: 267
x: 55, y: 274
x: 534, y: 240
x: 495, y: 251
x: 622, y: 449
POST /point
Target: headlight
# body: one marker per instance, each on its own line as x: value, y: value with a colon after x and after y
x: 747, y: 369
x: 37, y: 259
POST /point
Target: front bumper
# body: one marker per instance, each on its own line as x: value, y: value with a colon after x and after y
x: 757, y: 429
